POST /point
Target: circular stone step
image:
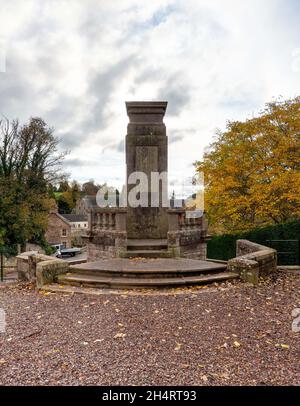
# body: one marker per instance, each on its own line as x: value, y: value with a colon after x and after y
x: 126, y: 273
x: 145, y: 266
x: 127, y: 283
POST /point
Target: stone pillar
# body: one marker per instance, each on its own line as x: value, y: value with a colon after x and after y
x: 146, y: 151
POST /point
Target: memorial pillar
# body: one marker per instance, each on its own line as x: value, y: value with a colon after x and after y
x: 147, y: 152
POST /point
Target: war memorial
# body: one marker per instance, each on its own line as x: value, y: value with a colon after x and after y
x: 138, y: 244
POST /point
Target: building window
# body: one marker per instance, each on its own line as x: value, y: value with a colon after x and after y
x: 64, y: 232
x: 78, y: 225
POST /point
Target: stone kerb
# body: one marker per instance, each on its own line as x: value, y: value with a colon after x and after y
x: 253, y: 260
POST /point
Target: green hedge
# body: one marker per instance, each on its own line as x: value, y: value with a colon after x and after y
x: 224, y: 247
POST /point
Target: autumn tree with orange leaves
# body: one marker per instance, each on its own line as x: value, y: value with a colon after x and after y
x: 252, y: 170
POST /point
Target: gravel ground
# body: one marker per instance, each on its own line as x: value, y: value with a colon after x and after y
x: 232, y: 334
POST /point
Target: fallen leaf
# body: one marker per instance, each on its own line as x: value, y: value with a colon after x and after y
x: 51, y: 352
x: 120, y: 335
x: 178, y: 347
x: 283, y: 346
x: 236, y: 344
x: 225, y: 376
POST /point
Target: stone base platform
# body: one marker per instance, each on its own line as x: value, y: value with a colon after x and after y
x: 145, y: 273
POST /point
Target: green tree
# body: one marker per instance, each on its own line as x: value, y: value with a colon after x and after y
x: 68, y: 196
x: 29, y: 162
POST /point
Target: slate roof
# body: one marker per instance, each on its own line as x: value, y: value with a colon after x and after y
x: 75, y: 218
x: 61, y: 217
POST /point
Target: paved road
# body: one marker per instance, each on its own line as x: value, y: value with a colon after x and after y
x: 77, y: 257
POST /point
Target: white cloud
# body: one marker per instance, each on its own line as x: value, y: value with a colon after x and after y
x: 76, y: 62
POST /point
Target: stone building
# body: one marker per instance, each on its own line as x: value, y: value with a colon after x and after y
x: 59, y: 230
x: 79, y: 223
x: 84, y: 204
x: 79, y: 226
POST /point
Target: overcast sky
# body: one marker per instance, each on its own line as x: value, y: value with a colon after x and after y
x: 75, y: 63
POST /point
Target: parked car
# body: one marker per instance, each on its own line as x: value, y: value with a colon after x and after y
x: 61, y: 251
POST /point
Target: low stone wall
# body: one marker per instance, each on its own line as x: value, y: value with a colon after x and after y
x: 253, y: 260
x: 47, y: 272
x: 187, y: 244
x: 96, y: 252
x: 187, y: 236
x: 106, y: 245
x: 24, y: 266
x: 34, y: 247
x: 39, y: 269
